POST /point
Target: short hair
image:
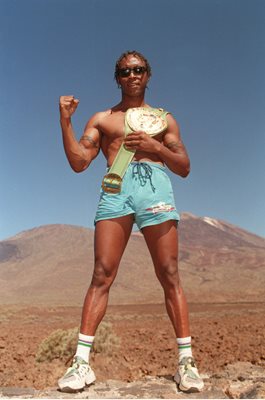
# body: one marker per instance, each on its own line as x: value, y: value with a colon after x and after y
x: 135, y: 54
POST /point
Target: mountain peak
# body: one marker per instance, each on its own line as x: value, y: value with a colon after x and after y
x: 213, y: 222
x: 216, y: 260
x: 187, y: 215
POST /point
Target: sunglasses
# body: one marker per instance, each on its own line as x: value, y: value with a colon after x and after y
x: 125, y: 72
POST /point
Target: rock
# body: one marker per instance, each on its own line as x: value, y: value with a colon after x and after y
x: 241, y: 380
x: 246, y: 391
x: 150, y: 387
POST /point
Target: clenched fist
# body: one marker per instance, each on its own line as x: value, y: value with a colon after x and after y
x: 68, y: 105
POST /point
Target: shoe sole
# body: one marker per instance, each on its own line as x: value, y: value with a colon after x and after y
x: 89, y: 381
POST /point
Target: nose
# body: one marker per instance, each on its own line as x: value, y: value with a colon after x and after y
x: 133, y: 74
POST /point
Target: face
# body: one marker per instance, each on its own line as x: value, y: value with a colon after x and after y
x: 134, y: 78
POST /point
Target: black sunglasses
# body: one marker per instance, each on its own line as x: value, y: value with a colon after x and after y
x: 125, y: 72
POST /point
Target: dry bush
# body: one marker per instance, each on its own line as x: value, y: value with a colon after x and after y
x: 105, y: 340
x: 62, y: 343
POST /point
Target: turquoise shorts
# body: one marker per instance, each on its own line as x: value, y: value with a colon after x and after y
x: 146, y: 192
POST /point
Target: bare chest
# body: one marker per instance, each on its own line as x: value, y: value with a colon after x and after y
x: 112, y: 127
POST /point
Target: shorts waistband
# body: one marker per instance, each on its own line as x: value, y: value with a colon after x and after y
x: 150, y: 163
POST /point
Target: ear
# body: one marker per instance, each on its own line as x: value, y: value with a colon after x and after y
x: 118, y: 82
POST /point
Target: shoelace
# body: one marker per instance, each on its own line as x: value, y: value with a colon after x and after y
x: 144, y: 173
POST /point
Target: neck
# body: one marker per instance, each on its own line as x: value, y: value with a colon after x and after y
x: 129, y: 102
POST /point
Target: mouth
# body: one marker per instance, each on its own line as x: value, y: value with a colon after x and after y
x: 134, y: 84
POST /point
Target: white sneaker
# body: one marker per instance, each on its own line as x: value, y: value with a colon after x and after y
x: 187, y: 376
x: 78, y: 376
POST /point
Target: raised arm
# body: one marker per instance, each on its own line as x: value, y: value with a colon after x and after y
x: 79, y: 153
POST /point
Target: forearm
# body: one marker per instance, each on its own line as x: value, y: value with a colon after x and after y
x: 177, y: 161
x: 75, y: 153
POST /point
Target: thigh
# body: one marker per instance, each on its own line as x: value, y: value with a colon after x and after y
x: 111, y: 238
x: 162, y: 242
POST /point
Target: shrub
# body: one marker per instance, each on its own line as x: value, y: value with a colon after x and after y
x: 105, y: 340
x: 62, y: 343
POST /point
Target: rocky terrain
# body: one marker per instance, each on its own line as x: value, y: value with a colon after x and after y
x: 228, y: 343
x: 44, y: 274
x: 241, y: 380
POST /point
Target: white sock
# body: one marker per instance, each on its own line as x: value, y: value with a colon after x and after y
x: 184, y: 347
x: 84, y: 346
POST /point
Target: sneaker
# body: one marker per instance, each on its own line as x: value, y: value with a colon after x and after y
x: 77, y: 376
x: 187, y: 376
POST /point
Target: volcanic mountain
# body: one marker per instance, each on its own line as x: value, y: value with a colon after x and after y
x: 52, y: 265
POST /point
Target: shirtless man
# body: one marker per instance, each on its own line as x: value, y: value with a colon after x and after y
x: 146, y: 198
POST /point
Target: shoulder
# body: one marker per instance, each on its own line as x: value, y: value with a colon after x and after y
x: 101, y: 114
x: 171, y: 119
x: 98, y: 117
x: 168, y: 114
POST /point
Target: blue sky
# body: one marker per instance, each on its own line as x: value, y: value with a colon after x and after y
x: 208, y: 62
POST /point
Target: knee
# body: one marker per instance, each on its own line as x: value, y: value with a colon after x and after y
x: 103, y: 275
x: 168, y: 275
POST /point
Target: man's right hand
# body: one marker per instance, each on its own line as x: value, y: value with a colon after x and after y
x: 68, y: 105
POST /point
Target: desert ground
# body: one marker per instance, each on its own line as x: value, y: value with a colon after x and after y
x: 222, y: 334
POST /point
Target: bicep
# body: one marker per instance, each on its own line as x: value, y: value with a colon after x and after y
x: 172, y: 138
x: 90, y: 140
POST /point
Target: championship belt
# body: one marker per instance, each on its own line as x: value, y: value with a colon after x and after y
x: 150, y: 120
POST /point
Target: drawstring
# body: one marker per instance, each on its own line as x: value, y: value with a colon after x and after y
x: 144, y: 172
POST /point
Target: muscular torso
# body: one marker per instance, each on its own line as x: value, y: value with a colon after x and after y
x: 111, y: 128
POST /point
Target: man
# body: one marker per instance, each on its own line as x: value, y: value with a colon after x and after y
x: 146, y: 198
